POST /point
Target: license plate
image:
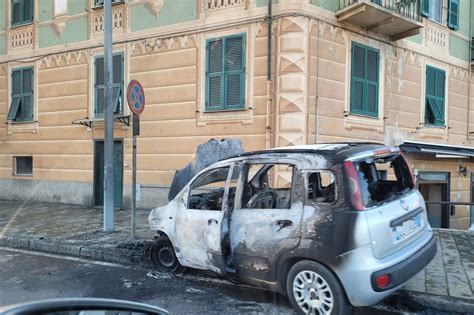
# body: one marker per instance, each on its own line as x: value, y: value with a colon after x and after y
x: 407, y: 228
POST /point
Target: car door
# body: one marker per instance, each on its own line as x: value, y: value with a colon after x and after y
x: 262, y: 230
x: 199, y: 220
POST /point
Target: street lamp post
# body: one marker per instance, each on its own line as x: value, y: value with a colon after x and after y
x: 109, y: 122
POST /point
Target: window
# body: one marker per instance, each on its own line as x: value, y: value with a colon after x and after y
x: 99, y: 3
x: 321, y: 187
x: 263, y: 191
x: 22, y: 12
x: 395, y: 181
x: 364, y: 80
x: 22, y: 102
x: 100, y: 85
x: 453, y: 14
x: 60, y: 7
x: 435, y: 86
x: 23, y: 165
x: 433, y: 9
x: 225, y: 73
x: 207, y: 191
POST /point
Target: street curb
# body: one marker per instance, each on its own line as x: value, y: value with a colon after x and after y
x: 133, y: 252
x: 438, y: 302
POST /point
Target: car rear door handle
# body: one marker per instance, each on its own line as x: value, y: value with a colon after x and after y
x: 284, y: 223
x: 209, y: 222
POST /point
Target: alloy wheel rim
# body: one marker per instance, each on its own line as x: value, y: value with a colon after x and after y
x: 312, y: 293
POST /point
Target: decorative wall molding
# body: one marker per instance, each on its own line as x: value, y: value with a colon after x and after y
x: 119, y: 20
x: 65, y: 59
x: 152, y: 45
x: 59, y: 23
x: 211, y: 5
x: 21, y: 37
x: 154, y: 6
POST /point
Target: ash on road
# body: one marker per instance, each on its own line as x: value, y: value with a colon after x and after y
x: 28, y: 276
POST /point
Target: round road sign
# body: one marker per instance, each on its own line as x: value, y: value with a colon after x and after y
x: 136, y: 97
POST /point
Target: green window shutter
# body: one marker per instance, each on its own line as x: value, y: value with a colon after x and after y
x: 453, y: 14
x: 357, y: 79
x: 372, y: 82
x: 26, y: 107
x: 16, y: 12
x: 117, y: 97
x: 364, y: 80
x: 425, y: 10
x: 215, y: 74
x: 22, y: 106
x: 435, y: 96
x: 99, y: 87
x: 28, y: 9
x: 117, y: 84
x: 234, y: 72
x: 14, y: 108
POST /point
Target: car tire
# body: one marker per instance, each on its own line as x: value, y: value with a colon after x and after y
x: 313, y: 289
x: 163, y: 257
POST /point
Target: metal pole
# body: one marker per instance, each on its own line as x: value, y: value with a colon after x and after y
x: 109, y: 122
x: 134, y: 176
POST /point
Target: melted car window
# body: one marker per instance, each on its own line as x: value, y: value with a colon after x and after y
x: 321, y: 186
x: 267, y: 186
x: 207, y: 191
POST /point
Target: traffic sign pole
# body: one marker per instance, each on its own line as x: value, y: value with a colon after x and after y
x: 136, y: 102
x: 136, y: 119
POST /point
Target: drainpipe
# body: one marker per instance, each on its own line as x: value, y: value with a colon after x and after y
x: 469, y: 95
x: 470, y: 74
x: 268, y: 127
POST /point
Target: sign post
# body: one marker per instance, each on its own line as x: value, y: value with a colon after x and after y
x: 136, y: 102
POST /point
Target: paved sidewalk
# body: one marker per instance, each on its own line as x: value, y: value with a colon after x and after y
x: 450, y: 275
x: 73, y: 230
x: 446, y: 284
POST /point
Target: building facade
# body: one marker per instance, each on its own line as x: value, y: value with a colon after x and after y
x: 391, y: 71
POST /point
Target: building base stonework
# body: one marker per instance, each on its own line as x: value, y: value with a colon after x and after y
x: 66, y: 192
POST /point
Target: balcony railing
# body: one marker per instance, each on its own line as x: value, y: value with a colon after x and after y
x: 408, y: 8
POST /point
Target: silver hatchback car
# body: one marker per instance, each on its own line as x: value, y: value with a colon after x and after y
x: 330, y: 225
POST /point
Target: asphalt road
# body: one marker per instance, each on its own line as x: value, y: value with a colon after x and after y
x: 28, y: 276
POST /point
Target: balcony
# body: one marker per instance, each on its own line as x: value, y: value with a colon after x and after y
x: 396, y: 19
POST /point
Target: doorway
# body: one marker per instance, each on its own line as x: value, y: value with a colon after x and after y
x: 434, y: 186
x: 99, y: 173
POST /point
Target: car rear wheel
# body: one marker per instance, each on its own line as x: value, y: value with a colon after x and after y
x: 313, y: 289
x: 163, y: 256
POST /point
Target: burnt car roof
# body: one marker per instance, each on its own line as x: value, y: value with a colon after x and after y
x: 332, y: 152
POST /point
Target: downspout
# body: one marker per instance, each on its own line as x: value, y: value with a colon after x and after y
x: 471, y: 228
x: 316, y: 112
x: 268, y: 127
x: 468, y: 136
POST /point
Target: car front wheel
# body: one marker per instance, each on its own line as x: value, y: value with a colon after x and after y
x: 313, y: 289
x: 163, y: 256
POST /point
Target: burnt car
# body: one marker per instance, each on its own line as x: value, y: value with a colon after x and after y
x: 330, y: 225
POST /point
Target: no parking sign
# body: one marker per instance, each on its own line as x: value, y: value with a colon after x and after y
x: 136, y: 97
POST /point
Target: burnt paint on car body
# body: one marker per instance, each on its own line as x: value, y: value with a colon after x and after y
x: 327, y: 233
